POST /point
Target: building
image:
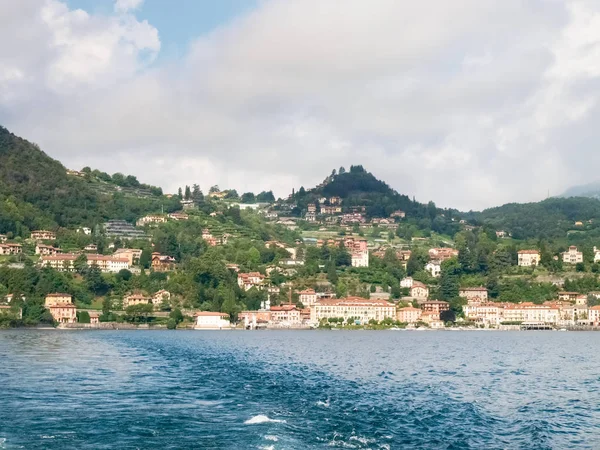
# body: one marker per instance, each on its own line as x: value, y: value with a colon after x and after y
x: 570, y: 296
x: 3, y: 238
x: 42, y: 249
x: 136, y: 298
x: 11, y: 249
x: 61, y: 307
x: 286, y: 315
x: 335, y: 200
x: 501, y: 234
x: 399, y: 214
x: 329, y: 210
x: 107, y: 264
x: 572, y: 256
x: 435, y: 306
x: 152, y: 219
x: 531, y: 313
x: 94, y: 318
x: 162, y: 263
x: 250, y: 280
x: 65, y: 262
x: 360, y: 258
x: 409, y: 315
x: 594, y: 315
x: 488, y: 314
x: 85, y: 230
x: 43, y: 235
x: 311, y: 208
x: 255, y: 319
x: 307, y: 297
x: 122, y: 230
x: 207, y: 320
x: 160, y: 297
x: 407, y: 282
x: 91, y: 248
x: 443, y: 253
x: 360, y: 309
x: 434, y: 268
x: 179, y: 216
x: 133, y: 255
x: 474, y: 294
x: 528, y: 258
x: 419, y: 290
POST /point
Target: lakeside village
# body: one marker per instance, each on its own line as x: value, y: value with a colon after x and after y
x: 305, y: 307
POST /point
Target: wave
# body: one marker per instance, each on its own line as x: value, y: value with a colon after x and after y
x: 262, y: 419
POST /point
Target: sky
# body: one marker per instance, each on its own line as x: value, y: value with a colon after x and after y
x: 469, y: 103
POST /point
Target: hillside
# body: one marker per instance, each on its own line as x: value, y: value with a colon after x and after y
x: 36, y: 192
x: 358, y: 187
x: 551, y: 218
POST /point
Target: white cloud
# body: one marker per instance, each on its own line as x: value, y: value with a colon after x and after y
x: 123, y: 6
x: 470, y: 103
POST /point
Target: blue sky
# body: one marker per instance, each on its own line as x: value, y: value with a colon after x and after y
x: 178, y: 21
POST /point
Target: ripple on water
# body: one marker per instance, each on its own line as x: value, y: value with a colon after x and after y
x: 297, y: 390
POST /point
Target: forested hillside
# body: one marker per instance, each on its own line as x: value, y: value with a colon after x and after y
x: 551, y: 218
x: 37, y: 193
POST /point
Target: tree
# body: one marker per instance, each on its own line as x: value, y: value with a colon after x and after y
x: 342, y: 170
x: 449, y: 279
x: 580, y: 267
x: 247, y: 197
x: 176, y: 315
x: 180, y: 194
x: 332, y: 275
x: 80, y: 264
x: 83, y: 317
x: 229, y: 306
x: 124, y: 275
x: 188, y: 193
x: 448, y: 316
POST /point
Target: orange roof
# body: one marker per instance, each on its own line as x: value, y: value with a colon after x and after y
x: 58, y: 294
x: 528, y: 252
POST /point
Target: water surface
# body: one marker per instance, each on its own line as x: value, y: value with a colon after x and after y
x: 299, y: 390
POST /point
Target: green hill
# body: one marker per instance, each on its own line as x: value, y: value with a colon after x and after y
x: 36, y: 193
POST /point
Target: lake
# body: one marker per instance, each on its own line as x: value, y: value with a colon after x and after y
x: 299, y: 390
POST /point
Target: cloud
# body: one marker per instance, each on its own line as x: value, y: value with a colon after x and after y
x: 469, y: 103
x: 123, y: 6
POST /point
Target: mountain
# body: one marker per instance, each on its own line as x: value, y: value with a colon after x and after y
x: 36, y: 192
x: 591, y: 190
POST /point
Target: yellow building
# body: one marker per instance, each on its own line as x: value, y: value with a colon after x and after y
x: 360, y: 309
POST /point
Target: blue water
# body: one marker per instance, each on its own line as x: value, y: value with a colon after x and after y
x: 299, y: 390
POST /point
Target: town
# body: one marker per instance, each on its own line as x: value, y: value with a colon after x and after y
x: 333, y: 266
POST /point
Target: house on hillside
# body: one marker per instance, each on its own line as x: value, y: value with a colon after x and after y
x: 162, y: 263
x: 572, y: 256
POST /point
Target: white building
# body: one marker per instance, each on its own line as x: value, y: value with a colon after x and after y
x: 531, y: 313
x: 206, y: 320
x: 528, y: 258
x: 488, y: 314
x: 419, y: 290
x: 406, y: 282
x: 307, y: 297
x: 572, y: 256
x: 65, y: 262
x: 434, y: 268
x: 360, y: 258
x: 596, y: 254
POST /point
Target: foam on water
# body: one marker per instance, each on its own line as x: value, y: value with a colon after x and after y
x: 343, y: 390
x: 262, y: 419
